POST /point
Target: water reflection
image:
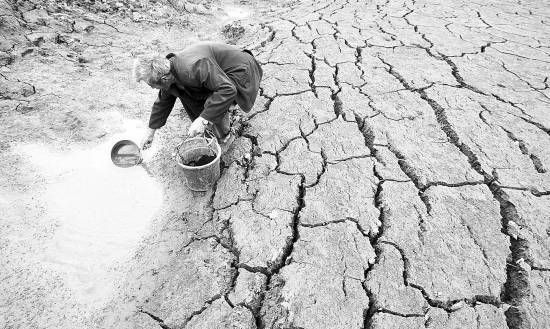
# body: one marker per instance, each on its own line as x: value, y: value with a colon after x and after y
x: 125, y: 153
x: 102, y: 213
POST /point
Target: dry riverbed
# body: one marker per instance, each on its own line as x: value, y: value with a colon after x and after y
x: 393, y: 173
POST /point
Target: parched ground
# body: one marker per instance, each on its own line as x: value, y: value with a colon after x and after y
x: 392, y: 174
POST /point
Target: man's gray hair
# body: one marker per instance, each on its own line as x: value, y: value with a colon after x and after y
x: 151, y: 68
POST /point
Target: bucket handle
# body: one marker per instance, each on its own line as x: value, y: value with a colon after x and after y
x: 207, y: 135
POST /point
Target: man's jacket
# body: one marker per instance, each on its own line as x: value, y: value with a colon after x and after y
x: 216, y: 75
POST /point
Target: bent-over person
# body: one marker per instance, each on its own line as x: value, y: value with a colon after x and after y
x: 208, y: 78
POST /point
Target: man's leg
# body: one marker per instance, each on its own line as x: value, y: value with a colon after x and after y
x: 222, y: 127
x: 222, y: 131
x: 192, y: 106
x: 195, y: 107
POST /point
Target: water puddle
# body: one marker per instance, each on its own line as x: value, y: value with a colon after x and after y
x: 101, y: 211
x: 234, y: 11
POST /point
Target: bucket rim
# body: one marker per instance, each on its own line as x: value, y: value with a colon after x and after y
x: 218, y: 156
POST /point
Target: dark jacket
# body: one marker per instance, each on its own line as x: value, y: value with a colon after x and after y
x: 212, y: 76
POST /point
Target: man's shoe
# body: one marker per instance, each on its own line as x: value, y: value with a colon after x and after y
x: 225, y: 143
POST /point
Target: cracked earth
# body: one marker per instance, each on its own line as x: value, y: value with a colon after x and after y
x: 392, y: 174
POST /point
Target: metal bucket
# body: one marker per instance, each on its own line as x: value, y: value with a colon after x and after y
x: 199, y: 177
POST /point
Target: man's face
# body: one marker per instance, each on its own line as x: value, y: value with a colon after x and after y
x: 164, y: 83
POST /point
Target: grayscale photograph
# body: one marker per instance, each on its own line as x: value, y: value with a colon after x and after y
x: 274, y: 164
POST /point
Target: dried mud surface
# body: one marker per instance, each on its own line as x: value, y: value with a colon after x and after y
x: 393, y: 174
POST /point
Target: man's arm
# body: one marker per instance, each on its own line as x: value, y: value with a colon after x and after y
x: 212, y: 77
x: 161, y: 109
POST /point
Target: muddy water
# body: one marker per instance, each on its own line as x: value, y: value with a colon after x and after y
x: 101, y: 212
x: 201, y: 161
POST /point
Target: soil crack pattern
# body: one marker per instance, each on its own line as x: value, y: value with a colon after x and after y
x: 393, y: 172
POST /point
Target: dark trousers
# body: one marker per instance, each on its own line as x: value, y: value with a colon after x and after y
x: 194, y: 107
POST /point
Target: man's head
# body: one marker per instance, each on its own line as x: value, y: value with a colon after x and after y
x: 154, y: 70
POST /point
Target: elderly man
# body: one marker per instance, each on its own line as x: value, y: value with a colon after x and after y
x: 208, y: 78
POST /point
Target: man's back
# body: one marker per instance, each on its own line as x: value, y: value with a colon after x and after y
x: 203, y: 67
x: 229, y: 58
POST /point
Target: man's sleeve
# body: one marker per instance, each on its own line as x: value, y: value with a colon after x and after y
x: 212, y: 77
x: 161, y: 109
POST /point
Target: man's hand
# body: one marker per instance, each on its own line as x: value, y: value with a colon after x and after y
x: 148, y: 139
x: 197, y: 127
